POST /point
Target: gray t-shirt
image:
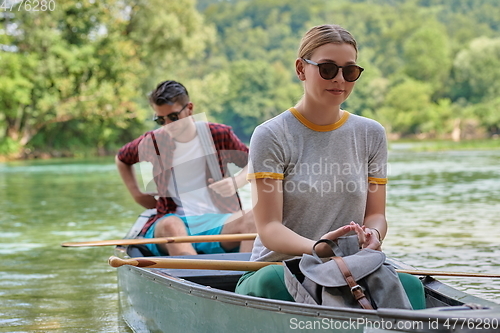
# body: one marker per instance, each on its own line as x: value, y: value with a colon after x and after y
x: 325, y: 171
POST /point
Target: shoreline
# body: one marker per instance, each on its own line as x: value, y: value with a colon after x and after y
x: 443, y: 145
x: 393, y: 145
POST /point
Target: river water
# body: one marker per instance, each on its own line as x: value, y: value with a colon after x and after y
x: 443, y: 211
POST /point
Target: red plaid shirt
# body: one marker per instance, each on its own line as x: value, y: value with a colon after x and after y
x: 158, y: 147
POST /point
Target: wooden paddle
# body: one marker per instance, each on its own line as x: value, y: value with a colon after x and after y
x: 163, y: 240
x: 231, y: 265
x: 228, y: 265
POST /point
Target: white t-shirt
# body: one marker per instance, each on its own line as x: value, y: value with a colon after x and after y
x: 187, y: 185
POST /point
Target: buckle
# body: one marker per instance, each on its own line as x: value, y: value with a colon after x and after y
x: 356, y: 288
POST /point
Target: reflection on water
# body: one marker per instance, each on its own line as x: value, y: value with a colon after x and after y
x: 44, y: 287
x: 443, y: 210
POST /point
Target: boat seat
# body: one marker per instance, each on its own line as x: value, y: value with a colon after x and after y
x: 220, y: 279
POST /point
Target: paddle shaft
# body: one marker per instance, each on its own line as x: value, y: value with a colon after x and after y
x: 163, y: 240
x: 231, y: 265
x: 444, y: 273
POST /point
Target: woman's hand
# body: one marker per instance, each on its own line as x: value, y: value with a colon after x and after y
x: 368, y: 238
x: 324, y: 250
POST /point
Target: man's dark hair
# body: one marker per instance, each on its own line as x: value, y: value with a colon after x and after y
x: 169, y: 92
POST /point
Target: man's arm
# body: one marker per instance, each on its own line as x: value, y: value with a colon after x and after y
x: 226, y: 187
x: 241, y: 177
x: 127, y: 174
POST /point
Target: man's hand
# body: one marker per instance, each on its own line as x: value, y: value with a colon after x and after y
x: 146, y: 200
x: 225, y: 187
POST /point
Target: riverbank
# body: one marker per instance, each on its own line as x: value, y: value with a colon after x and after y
x: 407, y: 145
x: 28, y: 154
x: 444, y: 145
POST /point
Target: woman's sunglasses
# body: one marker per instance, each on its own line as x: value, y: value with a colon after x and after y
x: 174, y: 116
x: 329, y: 70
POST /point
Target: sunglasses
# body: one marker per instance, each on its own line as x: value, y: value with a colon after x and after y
x: 329, y: 70
x: 174, y: 116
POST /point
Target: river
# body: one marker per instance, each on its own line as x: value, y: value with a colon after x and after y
x: 443, y: 211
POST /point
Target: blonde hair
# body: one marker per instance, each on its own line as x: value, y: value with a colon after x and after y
x: 324, y: 34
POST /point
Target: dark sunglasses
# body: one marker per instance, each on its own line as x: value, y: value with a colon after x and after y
x: 174, y: 116
x: 329, y: 70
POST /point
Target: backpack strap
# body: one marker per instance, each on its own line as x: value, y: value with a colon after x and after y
x: 356, y: 289
x: 207, y: 143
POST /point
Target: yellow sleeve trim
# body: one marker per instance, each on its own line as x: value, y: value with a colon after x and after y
x: 379, y: 181
x: 320, y: 128
x: 260, y: 175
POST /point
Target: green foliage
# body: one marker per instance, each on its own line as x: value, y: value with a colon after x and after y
x: 427, y: 55
x: 9, y: 147
x: 488, y: 113
x: 246, y: 94
x: 64, y: 70
x: 81, y: 69
x: 256, y: 93
x: 477, y: 70
x: 407, y: 107
x: 78, y: 77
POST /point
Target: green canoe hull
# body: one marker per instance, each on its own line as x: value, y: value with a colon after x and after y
x: 162, y: 300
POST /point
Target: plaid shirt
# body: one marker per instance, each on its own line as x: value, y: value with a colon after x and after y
x: 158, y: 148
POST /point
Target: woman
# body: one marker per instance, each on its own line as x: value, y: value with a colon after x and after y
x: 317, y: 171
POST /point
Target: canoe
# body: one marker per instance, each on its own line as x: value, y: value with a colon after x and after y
x: 187, y: 300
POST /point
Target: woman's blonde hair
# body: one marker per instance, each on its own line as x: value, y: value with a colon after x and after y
x: 324, y: 34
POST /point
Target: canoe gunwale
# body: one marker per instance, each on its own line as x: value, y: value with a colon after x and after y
x: 195, y: 289
x: 214, y: 297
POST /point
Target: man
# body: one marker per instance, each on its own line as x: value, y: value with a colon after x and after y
x: 190, y: 201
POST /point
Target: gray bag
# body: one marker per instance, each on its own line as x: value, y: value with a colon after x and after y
x: 373, y: 283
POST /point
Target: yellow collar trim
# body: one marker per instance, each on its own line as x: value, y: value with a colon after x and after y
x: 320, y: 128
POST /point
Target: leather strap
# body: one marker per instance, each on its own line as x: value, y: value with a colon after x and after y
x: 207, y: 142
x: 356, y: 289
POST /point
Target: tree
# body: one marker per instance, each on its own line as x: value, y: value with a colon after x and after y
x: 90, y: 63
x: 168, y: 35
x: 254, y: 91
x: 477, y: 71
x: 427, y: 55
x: 62, y: 68
x: 407, y: 107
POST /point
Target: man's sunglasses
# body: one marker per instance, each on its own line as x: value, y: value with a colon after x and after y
x: 329, y: 70
x: 174, y: 116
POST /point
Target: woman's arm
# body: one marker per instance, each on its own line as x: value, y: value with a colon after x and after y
x: 267, y: 198
x: 374, y: 219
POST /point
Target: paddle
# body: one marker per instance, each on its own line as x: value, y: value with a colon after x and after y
x: 151, y: 262
x: 162, y: 240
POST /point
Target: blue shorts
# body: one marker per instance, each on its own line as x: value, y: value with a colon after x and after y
x: 207, y: 224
